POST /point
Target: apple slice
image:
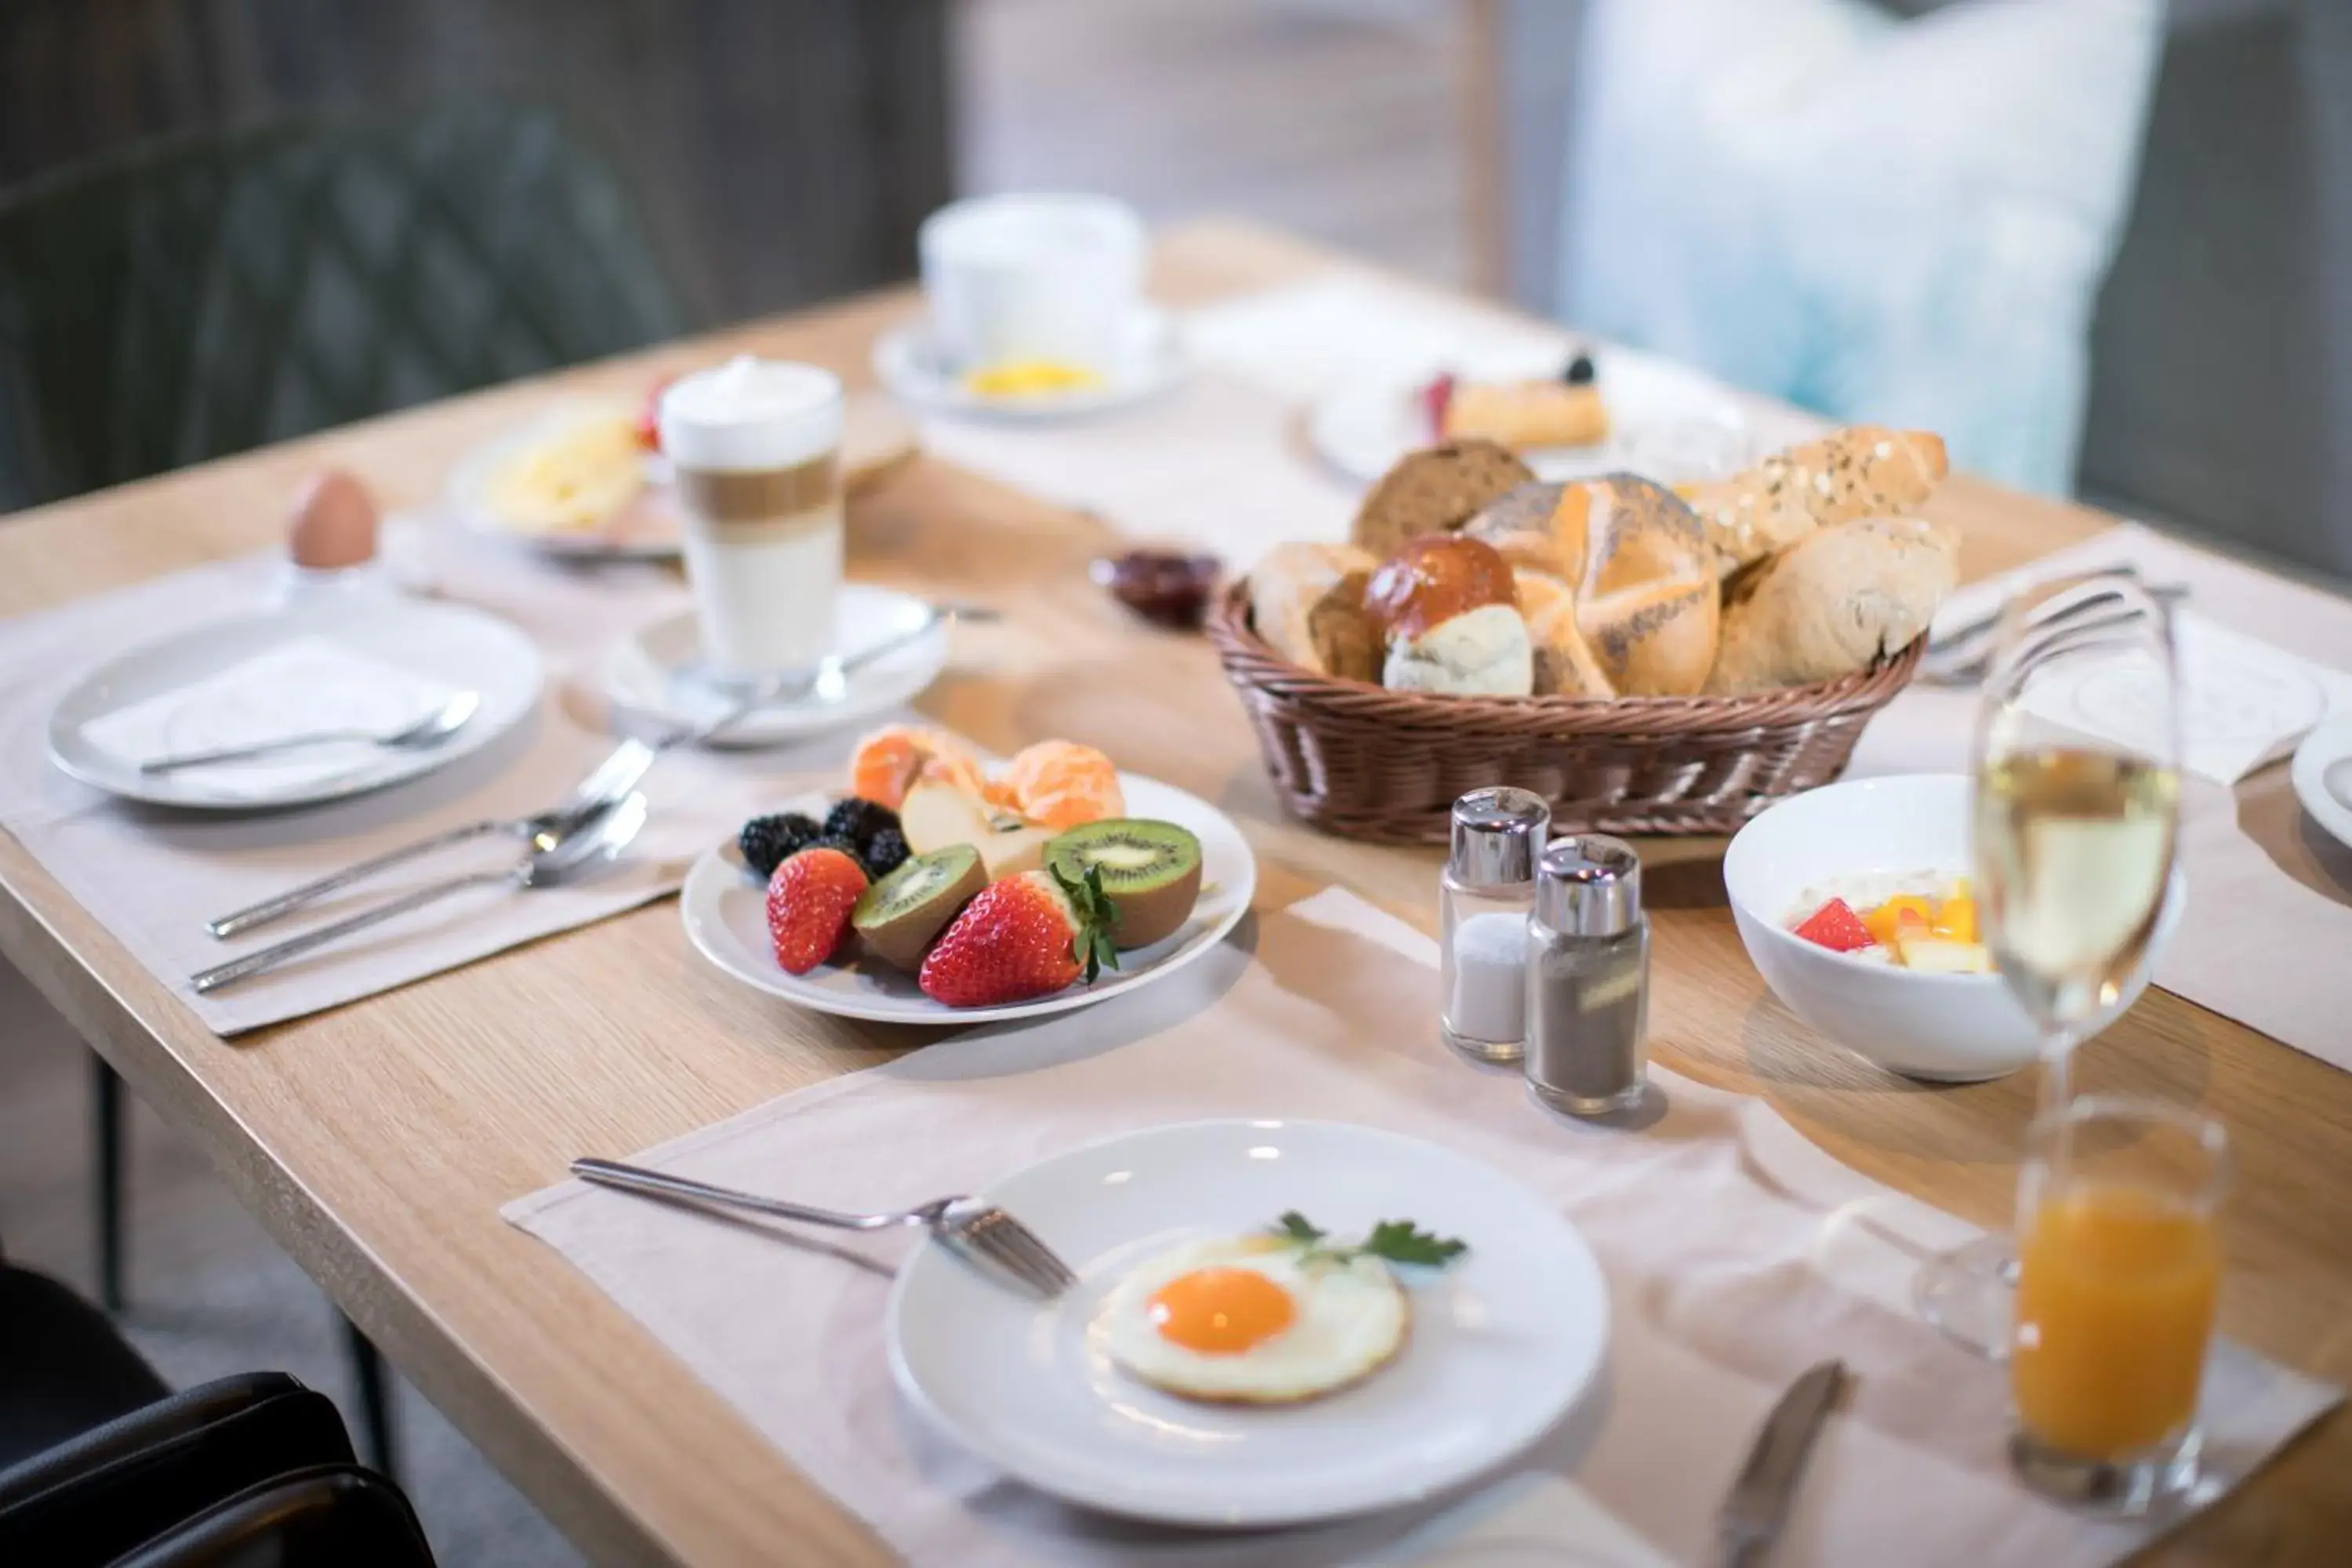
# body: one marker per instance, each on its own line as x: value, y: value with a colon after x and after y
x: 1941, y: 955
x: 935, y: 816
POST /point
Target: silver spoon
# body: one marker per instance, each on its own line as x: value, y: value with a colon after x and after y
x: 425, y: 733
x: 586, y: 843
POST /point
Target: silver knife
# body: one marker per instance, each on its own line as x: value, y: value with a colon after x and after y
x: 1759, y: 1500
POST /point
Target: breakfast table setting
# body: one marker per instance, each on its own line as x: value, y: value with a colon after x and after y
x: 1170, y: 899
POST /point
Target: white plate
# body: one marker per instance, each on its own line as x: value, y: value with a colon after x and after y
x: 457, y: 646
x: 652, y: 672
x: 726, y: 912
x: 907, y: 364
x: 1363, y: 430
x: 648, y: 528
x: 1502, y: 1344
x: 2323, y: 777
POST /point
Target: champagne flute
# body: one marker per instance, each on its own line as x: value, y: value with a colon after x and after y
x: 2077, y: 815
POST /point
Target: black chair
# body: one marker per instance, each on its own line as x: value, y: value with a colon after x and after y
x: 335, y: 1516
x: 98, y: 1460
x: 199, y: 297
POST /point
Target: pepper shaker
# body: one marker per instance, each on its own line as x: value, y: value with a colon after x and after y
x: 1484, y: 896
x: 1588, y: 978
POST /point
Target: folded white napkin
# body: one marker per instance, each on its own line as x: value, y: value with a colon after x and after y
x: 304, y: 686
x: 2243, y: 703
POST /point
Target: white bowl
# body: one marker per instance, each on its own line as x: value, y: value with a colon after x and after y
x: 1953, y: 1028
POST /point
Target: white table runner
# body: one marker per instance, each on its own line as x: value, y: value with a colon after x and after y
x: 1737, y: 1255
x: 152, y: 875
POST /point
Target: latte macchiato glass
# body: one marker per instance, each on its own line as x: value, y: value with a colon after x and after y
x: 755, y: 444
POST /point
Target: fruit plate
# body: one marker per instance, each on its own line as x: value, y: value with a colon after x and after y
x: 725, y: 907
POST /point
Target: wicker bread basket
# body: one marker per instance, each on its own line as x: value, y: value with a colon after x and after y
x: 1385, y: 767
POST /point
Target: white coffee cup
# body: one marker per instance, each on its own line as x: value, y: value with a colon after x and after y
x: 1032, y: 277
x: 755, y: 446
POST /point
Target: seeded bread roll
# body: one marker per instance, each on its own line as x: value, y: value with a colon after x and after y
x: 1833, y: 603
x: 1434, y: 491
x: 1864, y: 470
x: 1308, y: 602
x: 1564, y: 661
x: 1639, y: 568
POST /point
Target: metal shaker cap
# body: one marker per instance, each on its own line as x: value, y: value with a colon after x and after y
x: 1497, y: 834
x: 1589, y: 884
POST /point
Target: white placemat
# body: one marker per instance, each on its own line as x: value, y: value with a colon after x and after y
x: 2269, y: 919
x: 1220, y: 462
x: 1737, y: 1255
x: 153, y: 875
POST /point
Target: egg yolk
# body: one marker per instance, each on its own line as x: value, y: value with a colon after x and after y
x: 1221, y: 1311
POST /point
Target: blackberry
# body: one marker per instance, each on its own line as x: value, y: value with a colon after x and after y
x: 885, y: 852
x: 835, y: 841
x: 1580, y: 371
x: 768, y: 841
x: 858, y: 820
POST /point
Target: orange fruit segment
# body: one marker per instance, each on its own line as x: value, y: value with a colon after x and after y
x: 890, y: 761
x: 1060, y: 783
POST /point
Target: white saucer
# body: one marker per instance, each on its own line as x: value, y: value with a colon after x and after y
x: 1363, y: 431
x: 907, y: 364
x: 451, y: 645
x: 653, y: 672
x: 725, y: 907
x: 2323, y: 777
x: 1502, y: 1345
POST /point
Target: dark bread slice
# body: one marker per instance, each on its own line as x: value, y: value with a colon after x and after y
x: 1435, y: 490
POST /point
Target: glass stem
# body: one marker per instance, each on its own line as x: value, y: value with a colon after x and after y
x: 2057, y: 1070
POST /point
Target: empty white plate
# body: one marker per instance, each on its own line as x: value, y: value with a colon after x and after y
x: 2323, y: 777
x: 1502, y: 1343
x: 655, y: 672
x: 908, y: 363
x: 1661, y: 417
x: 446, y: 645
x: 726, y: 912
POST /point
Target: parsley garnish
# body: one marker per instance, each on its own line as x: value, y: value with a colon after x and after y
x: 1396, y: 1240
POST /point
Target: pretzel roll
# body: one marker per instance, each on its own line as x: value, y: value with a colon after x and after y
x: 1449, y: 611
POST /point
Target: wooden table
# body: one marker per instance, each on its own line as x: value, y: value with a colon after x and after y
x: 377, y: 1141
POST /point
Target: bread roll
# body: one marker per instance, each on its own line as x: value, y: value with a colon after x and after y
x: 1834, y: 602
x: 1308, y: 602
x: 1640, y: 569
x: 1525, y: 414
x: 1484, y: 652
x: 1564, y: 663
x: 1435, y: 579
x: 1449, y: 612
x: 1865, y: 470
x: 1434, y: 491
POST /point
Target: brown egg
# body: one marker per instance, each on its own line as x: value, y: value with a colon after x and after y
x: 333, y: 522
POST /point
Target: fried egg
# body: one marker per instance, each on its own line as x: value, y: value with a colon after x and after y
x: 1247, y: 1320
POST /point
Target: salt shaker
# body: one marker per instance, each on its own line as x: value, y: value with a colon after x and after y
x: 1483, y: 899
x: 1587, y: 977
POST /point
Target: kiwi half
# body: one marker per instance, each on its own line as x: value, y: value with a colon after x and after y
x: 1151, y: 871
x: 897, y: 918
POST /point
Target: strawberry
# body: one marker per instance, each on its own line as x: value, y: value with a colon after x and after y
x: 649, y: 414
x: 809, y: 901
x: 1029, y: 935
x: 1836, y: 927
x: 1436, y: 398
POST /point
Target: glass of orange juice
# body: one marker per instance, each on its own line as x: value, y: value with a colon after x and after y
x: 2119, y: 1270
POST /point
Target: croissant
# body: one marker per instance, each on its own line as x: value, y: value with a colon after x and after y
x: 1864, y: 470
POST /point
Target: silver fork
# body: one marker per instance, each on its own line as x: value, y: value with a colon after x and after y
x: 972, y: 1226
x: 611, y: 780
